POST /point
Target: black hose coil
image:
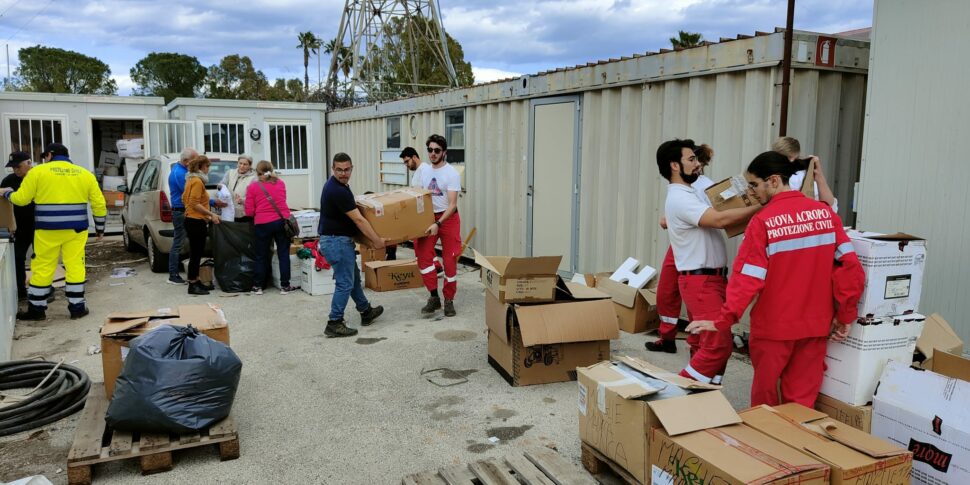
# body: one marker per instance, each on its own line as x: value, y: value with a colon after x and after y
x: 62, y: 395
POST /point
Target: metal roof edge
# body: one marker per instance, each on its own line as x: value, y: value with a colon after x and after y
x: 80, y: 98
x: 243, y: 103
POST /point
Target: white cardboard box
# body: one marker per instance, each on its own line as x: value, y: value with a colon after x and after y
x: 308, y: 220
x: 894, y: 272
x: 317, y: 282
x: 928, y: 414
x: 855, y: 364
x: 296, y: 271
x: 133, y: 148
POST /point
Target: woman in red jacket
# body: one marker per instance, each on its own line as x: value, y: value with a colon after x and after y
x: 798, y: 261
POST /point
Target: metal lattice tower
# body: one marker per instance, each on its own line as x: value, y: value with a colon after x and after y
x: 369, y: 52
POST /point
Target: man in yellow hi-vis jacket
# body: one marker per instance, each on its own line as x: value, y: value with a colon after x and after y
x: 61, y: 192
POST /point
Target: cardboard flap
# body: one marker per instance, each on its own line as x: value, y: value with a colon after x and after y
x: 384, y: 264
x: 622, y: 381
x: 621, y: 293
x: 496, y: 317
x: 665, y: 375
x: 483, y: 261
x: 859, y: 440
x: 798, y: 413
x: 580, y: 321
x: 116, y: 327
x: 649, y: 295
x: 950, y: 365
x: 511, y: 266
x: 938, y: 334
x: 569, y: 291
x: 695, y: 412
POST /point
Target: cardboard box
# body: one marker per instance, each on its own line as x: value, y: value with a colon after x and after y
x: 7, y: 219
x: 120, y: 327
x: 859, y: 417
x: 109, y: 183
x: 296, y: 270
x: 392, y: 275
x: 520, y: 280
x: 855, y: 364
x: 309, y: 221
x: 854, y: 456
x: 399, y: 215
x: 937, y: 335
x: 542, y: 343
x: 131, y: 148
x: 614, y: 413
x: 731, y: 193
x: 927, y: 413
x: 636, y: 309
x: 368, y: 254
x: 894, y: 272
x: 316, y: 282
x: 114, y: 199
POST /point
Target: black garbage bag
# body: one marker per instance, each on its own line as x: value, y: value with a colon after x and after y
x: 234, y: 249
x: 174, y: 379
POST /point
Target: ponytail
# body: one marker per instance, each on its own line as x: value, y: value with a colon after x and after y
x: 801, y: 163
x: 772, y: 163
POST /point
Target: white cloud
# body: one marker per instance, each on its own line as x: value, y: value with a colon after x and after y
x: 125, y: 84
x: 489, y: 74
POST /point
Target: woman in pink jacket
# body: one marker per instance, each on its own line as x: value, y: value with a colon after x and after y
x: 266, y: 204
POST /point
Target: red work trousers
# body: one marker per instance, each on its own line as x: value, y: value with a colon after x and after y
x: 710, y: 351
x: 798, y: 363
x: 450, y: 235
x: 668, y: 297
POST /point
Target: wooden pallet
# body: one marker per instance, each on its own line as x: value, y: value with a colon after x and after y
x: 596, y: 463
x: 95, y: 443
x: 536, y: 467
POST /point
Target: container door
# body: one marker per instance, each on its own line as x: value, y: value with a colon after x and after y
x: 168, y: 137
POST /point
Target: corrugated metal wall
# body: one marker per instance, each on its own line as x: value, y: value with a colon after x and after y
x: 914, y: 161
x: 621, y: 191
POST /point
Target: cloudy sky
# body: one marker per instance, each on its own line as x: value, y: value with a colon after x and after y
x: 501, y: 38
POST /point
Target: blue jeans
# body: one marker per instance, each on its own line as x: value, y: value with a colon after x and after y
x: 339, y: 251
x: 175, y: 255
x: 271, y: 231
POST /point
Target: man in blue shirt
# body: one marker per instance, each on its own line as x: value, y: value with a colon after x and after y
x: 340, y: 223
x: 176, y: 185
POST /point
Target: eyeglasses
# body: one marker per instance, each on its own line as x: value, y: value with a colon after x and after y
x: 343, y: 170
x: 434, y: 150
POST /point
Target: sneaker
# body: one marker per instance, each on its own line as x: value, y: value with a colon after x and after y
x: 197, y: 289
x: 286, y: 289
x: 434, y: 303
x: 80, y: 314
x: 450, y: 308
x: 368, y: 317
x: 31, y: 314
x: 337, y: 328
x: 176, y: 280
x: 256, y: 291
x: 661, y: 345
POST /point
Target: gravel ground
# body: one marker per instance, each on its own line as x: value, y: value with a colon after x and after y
x: 317, y: 410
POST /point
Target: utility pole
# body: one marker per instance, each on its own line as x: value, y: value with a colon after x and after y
x: 786, y: 70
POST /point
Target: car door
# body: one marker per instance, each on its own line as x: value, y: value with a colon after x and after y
x: 139, y: 207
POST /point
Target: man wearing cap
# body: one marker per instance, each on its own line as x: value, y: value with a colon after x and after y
x: 61, y: 192
x: 24, y: 216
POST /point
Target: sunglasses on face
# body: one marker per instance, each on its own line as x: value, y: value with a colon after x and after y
x: 434, y: 150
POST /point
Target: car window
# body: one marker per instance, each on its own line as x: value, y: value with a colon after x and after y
x: 149, y: 178
x: 136, y: 181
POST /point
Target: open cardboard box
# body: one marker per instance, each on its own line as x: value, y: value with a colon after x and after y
x: 859, y: 417
x: 635, y: 309
x: 398, y: 215
x: 120, y: 327
x: 855, y: 456
x: 927, y: 413
x: 937, y: 335
x: 392, y: 275
x: 519, y: 280
x: 541, y: 343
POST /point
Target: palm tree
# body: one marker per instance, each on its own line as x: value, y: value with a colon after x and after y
x: 685, y: 40
x: 342, y: 54
x: 309, y: 43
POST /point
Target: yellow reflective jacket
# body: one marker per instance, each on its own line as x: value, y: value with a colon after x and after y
x: 62, y: 192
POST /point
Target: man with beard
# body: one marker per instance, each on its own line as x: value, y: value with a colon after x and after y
x: 699, y: 254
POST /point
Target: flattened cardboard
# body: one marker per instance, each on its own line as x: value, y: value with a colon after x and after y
x: 398, y: 215
x: 681, y: 415
x: 937, y: 335
x: 519, y: 280
x: 724, y: 196
x: 808, y: 184
x: 859, y: 417
x: 392, y: 275
x: 665, y: 375
x: 7, y: 219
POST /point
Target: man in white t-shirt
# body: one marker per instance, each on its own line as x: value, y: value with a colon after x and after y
x: 699, y: 254
x: 444, y: 183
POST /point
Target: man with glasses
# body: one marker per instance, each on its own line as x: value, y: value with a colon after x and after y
x: 699, y: 254
x: 24, y: 216
x: 444, y: 183
x: 340, y: 223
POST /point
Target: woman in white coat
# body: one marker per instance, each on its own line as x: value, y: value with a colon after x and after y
x: 237, y: 181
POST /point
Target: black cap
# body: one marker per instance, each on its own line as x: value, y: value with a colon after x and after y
x: 56, y: 149
x: 16, y: 158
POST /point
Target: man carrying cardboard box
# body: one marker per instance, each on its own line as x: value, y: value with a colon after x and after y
x: 800, y: 263
x: 23, y: 216
x: 699, y: 254
x: 444, y: 183
x: 340, y: 223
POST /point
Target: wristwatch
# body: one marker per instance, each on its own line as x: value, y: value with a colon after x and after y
x: 438, y: 223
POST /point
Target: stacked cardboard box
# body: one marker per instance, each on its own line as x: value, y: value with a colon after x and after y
x: 309, y: 220
x: 519, y: 280
x: 120, y: 327
x: 399, y: 215
x: 316, y: 282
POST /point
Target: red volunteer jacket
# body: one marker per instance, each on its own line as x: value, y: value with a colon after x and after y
x: 796, y: 255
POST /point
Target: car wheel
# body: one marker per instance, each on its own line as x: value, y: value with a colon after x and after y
x: 156, y: 259
x: 130, y: 245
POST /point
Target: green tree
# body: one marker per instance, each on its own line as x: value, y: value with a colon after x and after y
x: 686, y: 39
x: 286, y: 90
x: 52, y: 70
x: 310, y: 44
x: 236, y: 78
x: 168, y: 75
x: 342, y: 53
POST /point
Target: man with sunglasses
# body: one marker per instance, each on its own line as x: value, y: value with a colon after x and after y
x: 444, y: 183
x: 700, y: 255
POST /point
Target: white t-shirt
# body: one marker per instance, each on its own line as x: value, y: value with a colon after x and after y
x: 703, y: 183
x: 796, y: 181
x: 227, y: 213
x: 439, y: 181
x: 694, y: 247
